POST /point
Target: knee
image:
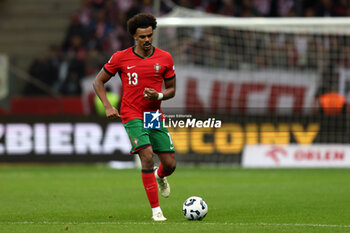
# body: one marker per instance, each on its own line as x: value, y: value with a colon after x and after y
x: 170, y: 167
x: 146, y: 158
x: 147, y: 162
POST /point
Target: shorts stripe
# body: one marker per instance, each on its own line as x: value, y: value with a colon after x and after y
x: 140, y: 148
x: 164, y: 152
x: 132, y: 144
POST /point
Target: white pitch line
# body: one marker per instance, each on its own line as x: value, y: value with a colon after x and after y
x: 174, y: 223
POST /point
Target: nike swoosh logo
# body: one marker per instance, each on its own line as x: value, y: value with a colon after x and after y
x: 171, y: 148
x: 130, y: 67
x: 149, y: 188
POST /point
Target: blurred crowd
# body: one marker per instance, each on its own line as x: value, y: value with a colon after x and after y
x: 248, y: 49
x: 271, y: 8
x: 98, y: 29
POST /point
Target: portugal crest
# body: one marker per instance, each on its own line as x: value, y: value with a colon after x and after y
x: 136, y: 141
x: 157, y: 67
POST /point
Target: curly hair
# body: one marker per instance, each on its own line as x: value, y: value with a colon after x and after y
x: 142, y: 20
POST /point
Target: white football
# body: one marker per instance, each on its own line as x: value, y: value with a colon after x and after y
x: 195, y: 208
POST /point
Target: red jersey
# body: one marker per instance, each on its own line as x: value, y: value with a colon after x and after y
x: 138, y: 73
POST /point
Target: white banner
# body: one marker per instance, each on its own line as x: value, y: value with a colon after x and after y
x: 315, y: 155
x: 263, y: 91
x: 63, y: 138
x: 4, y: 69
x: 260, y: 91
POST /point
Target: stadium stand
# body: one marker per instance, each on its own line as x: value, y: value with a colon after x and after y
x: 28, y: 28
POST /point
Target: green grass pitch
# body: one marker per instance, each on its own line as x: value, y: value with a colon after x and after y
x: 94, y: 198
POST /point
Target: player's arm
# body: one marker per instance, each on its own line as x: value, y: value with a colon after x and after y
x: 168, y: 93
x: 100, y: 90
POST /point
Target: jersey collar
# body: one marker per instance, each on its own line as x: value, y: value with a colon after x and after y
x: 133, y: 49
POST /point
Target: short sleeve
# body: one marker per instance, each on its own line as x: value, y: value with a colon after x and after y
x: 170, y: 69
x: 112, y: 66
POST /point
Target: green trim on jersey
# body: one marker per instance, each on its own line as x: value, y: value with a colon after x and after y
x: 133, y: 49
x: 109, y: 73
x: 171, y: 78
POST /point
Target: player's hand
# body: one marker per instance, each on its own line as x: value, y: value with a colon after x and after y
x: 150, y: 93
x: 112, y: 113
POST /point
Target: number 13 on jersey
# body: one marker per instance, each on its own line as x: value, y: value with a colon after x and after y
x: 132, y: 78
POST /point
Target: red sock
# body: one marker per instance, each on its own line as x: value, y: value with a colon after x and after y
x: 161, y: 173
x: 150, y: 184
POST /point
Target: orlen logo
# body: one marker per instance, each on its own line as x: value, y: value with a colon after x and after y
x: 275, y: 153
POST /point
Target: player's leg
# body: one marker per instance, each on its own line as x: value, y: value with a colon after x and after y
x: 167, y: 164
x: 166, y: 168
x: 141, y: 144
x: 150, y: 183
x: 164, y: 148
